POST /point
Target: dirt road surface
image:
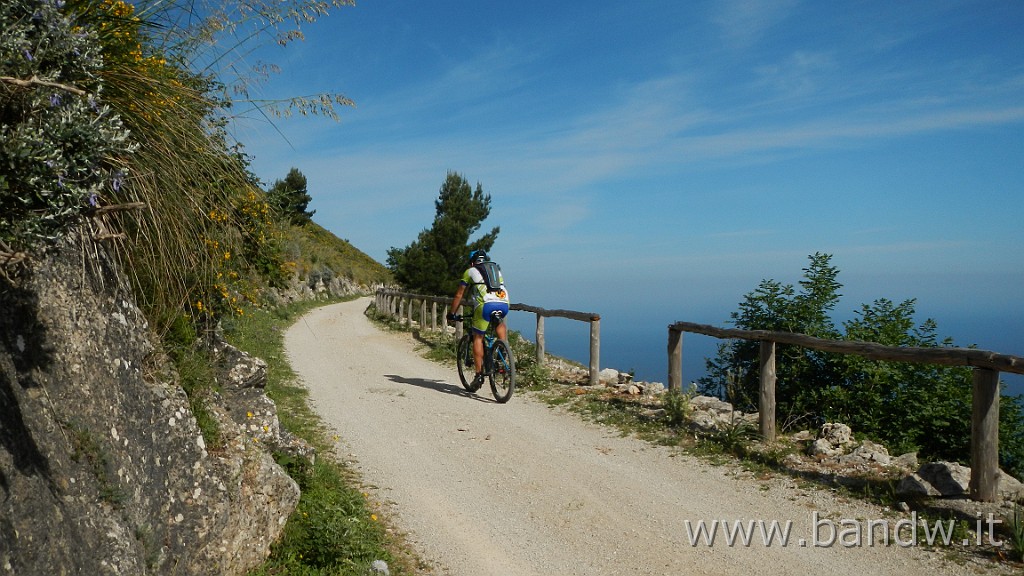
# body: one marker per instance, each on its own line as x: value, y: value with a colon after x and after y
x: 522, y: 489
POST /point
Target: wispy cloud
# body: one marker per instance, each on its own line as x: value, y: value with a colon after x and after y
x: 798, y: 76
x: 482, y: 79
x: 745, y: 22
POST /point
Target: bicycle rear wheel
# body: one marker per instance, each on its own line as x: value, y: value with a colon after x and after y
x: 464, y: 359
x: 503, y: 371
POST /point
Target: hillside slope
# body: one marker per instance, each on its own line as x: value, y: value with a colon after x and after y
x: 315, y: 250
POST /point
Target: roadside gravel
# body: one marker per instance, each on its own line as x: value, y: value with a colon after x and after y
x: 523, y: 489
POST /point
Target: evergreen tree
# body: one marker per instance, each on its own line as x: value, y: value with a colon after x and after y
x: 433, y: 263
x: 779, y: 307
x: 290, y: 197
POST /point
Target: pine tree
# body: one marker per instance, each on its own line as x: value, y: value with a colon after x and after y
x: 433, y: 263
x: 290, y: 197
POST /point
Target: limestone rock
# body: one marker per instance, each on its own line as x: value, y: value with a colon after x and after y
x: 833, y: 439
x: 711, y: 414
x: 867, y: 452
x: 608, y: 376
x: 952, y: 480
x: 103, y: 466
x: 937, y: 479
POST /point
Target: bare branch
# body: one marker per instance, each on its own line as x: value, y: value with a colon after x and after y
x: 36, y: 81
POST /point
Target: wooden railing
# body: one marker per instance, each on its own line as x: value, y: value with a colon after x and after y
x: 985, y: 400
x: 987, y: 366
x: 399, y: 305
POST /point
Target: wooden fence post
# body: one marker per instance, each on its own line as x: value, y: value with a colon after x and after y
x: 423, y: 314
x: 985, y: 436
x: 766, y: 401
x: 540, y: 339
x: 433, y: 316
x: 595, y: 349
x: 675, y: 359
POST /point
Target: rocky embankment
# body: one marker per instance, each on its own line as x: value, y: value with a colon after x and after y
x: 103, y: 467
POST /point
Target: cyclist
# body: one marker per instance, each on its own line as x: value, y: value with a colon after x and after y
x: 484, y: 303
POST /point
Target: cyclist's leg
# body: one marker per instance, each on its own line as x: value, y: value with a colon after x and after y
x: 479, y: 328
x: 478, y: 352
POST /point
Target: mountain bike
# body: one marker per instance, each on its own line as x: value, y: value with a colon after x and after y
x: 499, y: 364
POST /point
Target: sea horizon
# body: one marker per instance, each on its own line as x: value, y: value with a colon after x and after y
x: 637, y: 342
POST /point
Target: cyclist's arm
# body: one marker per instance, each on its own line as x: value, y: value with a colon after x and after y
x: 457, y: 301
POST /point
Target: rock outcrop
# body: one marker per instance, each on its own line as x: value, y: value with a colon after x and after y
x: 952, y: 480
x: 103, y: 468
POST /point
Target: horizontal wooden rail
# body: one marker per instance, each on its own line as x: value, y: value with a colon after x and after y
x: 946, y: 356
x: 570, y: 314
x: 394, y: 303
x: 987, y: 365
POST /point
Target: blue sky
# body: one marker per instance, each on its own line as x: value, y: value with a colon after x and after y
x: 664, y: 157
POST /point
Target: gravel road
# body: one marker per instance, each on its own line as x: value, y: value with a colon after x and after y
x: 524, y: 489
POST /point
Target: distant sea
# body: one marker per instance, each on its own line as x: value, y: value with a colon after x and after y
x: 637, y: 341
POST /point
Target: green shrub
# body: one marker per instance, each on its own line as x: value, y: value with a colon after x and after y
x: 1016, y: 524
x: 61, y: 147
x: 909, y: 407
x: 677, y: 406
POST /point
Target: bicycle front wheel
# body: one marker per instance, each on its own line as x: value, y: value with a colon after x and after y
x: 503, y: 371
x: 464, y: 359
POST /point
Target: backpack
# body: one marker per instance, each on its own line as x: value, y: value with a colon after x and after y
x: 491, y: 273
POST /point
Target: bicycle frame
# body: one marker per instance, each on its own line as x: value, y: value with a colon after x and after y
x: 502, y: 378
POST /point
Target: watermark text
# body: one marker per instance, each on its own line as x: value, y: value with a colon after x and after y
x: 848, y: 533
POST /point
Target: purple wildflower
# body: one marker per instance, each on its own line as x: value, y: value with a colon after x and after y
x: 117, y: 180
x: 28, y: 55
x: 54, y: 100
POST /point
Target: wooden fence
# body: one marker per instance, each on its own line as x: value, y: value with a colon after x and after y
x: 400, y: 305
x: 987, y: 365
